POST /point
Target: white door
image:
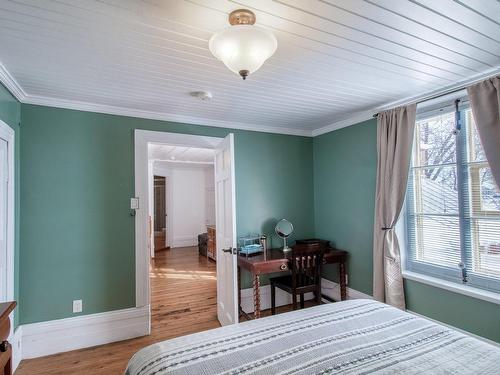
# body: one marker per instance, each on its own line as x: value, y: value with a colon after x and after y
x: 4, y: 174
x: 225, y: 221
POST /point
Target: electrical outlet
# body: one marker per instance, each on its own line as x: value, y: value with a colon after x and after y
x: 77, y: 306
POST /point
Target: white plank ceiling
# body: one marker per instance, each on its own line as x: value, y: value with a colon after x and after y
x: 335, y: 58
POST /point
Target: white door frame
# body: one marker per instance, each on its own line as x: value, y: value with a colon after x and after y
x: 163, y: 172
x: 169, y: 196
x: 141, y: 140
x: 7, y: 134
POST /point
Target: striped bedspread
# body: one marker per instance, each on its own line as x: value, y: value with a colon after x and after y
x: 351, y: 337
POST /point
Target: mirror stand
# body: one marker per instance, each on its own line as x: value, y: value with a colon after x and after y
x: 286, y: 249
x: 284, y: 229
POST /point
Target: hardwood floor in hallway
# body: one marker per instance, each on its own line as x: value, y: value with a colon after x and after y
x: 183, y: 301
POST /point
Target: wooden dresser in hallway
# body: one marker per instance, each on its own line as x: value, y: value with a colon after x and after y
x: 211, y: 242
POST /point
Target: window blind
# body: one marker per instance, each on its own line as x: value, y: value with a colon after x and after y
x: 453, y: 204
x: 484, y: 208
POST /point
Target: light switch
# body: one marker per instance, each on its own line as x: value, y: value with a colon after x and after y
x: 77, y: 306
x: 134, y: 203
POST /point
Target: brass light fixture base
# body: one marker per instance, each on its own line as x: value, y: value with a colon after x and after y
x: 244, y: 74
x: 241, y: 17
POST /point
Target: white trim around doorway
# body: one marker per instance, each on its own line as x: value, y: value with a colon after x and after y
x: 7, y: 134
x: 142, y: 252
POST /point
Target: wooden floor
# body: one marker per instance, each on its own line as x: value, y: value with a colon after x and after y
x: 183, y: 301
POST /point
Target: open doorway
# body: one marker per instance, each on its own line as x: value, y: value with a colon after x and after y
x: 159, y: 213
x: 193, y: 275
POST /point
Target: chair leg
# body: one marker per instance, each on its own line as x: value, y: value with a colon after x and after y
x: 318, y: 294
x: 294, y: 301
x: 273, y: 299
x: 301, y: 300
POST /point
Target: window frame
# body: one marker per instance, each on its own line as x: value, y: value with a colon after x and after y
x: 415, y: 269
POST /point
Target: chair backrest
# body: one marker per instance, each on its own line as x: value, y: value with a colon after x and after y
x: 307, y: 260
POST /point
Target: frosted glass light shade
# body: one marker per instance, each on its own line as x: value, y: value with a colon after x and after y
x: 243, y: 48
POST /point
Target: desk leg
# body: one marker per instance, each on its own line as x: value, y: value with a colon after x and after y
x: 256, y: 296
x: 239, y: 289
x: 343, y: 282
x: 240, y: 309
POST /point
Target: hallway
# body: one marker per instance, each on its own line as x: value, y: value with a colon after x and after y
x: 183, y: 292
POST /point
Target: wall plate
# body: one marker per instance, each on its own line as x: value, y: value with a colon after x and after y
x: 134, y: 203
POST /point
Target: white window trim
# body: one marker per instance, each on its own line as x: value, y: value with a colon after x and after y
x: 401, y: 231
x: 466, y: 290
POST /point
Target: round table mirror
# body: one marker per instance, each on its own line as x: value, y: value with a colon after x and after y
x: 284, y: 229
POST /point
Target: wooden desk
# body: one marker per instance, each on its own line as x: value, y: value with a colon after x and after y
x: 275, y: 261
x: 5, y: 348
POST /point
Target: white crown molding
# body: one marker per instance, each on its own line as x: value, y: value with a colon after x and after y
x: 15, y: 88
x: 368, y: 114
x: 130, y: 112
x: 351, y: 120
x: 11, y: 84
x: 61, y: 335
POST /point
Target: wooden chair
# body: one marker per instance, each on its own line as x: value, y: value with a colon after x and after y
x: 305, y: 277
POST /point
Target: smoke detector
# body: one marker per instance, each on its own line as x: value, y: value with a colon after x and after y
x: 202, y: 95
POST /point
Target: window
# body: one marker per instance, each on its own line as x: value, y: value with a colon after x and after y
x: 453, y: 203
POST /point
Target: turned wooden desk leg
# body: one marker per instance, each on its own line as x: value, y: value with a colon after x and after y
x: 239, y: 289
x: 343, y: 282
x: 256, y: 296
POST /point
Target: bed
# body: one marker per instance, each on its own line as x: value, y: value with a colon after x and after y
x: 350, y: 337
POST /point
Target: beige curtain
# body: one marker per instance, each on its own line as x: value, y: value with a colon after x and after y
x: 395, y: 130
x: 485, y: 103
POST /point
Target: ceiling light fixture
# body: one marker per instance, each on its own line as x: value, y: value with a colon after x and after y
x: 243, y: 47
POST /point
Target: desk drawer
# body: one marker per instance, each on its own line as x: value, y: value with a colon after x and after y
x: 271, y: 267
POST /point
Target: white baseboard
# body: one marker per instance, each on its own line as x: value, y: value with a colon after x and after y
x: 328, y: 288
x: 331, y: 289
x: 282, y: 298
x: 17, y: 350
x: 56, y: 336
x: 185, y: 241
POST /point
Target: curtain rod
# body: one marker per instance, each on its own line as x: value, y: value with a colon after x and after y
x: 492, y: 73
x: 425, y: 99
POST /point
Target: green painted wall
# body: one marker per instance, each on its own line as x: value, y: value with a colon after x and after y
x: 345, y: 163
x: 10, y: 113
x: 479, y: 317
x: 77, y: 175
x: 78, y: 238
